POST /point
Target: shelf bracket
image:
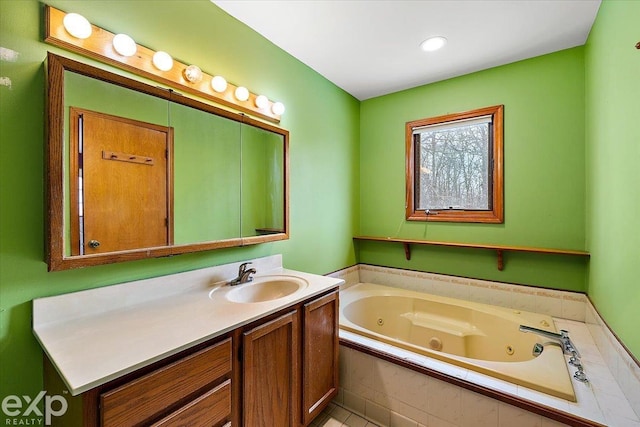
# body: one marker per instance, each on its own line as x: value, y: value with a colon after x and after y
x: 407, y: 251
x: 500, y: 259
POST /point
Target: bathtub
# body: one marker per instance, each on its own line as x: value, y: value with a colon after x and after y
x: 479, y: 337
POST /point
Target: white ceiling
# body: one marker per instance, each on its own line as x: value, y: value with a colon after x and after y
x: 371, y: 47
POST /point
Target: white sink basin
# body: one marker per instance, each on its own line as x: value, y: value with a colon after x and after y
x: 266, y: 288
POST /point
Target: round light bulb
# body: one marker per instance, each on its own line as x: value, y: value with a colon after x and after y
x: 162, y: 61
x: 219, y: 84
x: 77, y: 25
x: 277, y: 108
x: 262, y: 101
x: 124, y: 45
x: 242, y: 93
x: 433, y: 43
x: 193, y: 73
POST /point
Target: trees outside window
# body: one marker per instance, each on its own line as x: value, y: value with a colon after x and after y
x: 454, y: 167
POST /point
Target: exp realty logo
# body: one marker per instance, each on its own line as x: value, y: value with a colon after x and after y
x: 25, y: 410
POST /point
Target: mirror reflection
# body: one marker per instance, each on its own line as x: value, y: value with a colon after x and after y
x: 148, y: 172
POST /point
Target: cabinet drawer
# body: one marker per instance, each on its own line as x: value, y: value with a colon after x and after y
x: 207, y: 410
x: 149, y: 395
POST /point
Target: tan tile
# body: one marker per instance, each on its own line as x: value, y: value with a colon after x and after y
x: 574, y: 296
x: 355, y: 421
x: 615, y: 406
x: 546, y: 422
x: 549, y: 305
x: 574, y: 310
x: 478, y: 410
x: 397, y: 420
x: 331, y: 422
x: 413, y: 413
x: 320, y: 419
x: 444, y: 401
x: 377, y: 413
x: 618, y: 421
x: 353, y: 402
x: 523, y: 301
x: 437, y: 422
x: 361, y: 369
x: 521, y: 289
x: 402, y: 384
x: 510, y: 416
x: 340, y: 414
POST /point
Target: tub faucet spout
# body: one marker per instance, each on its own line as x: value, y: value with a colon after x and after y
x: 562, y: 338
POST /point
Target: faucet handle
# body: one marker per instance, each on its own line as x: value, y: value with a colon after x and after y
x: 243, y: 267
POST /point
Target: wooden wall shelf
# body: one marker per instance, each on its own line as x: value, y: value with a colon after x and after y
x: 500, y: 249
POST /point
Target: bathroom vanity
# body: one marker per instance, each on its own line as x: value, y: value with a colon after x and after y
x: 198, y: 352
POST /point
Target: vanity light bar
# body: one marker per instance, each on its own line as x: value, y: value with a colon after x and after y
x: 166, y: 70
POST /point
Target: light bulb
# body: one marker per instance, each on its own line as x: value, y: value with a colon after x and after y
x: 262, y: 101
x: 219, y: 84
x: 162, y: 61
x: 77, y: 25
x: 277, y: 108
x: 242, y: 93
x: 433, y: 43
x: 193, y: 73
x: 124, y: 45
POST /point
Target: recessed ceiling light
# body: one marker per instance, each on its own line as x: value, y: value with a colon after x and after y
x: 433, y: 43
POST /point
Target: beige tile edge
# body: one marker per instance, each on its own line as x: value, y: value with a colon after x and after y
x: 562, y: 304
x: 621, y: 364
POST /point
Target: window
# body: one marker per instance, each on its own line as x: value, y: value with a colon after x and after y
x: 454, y: 167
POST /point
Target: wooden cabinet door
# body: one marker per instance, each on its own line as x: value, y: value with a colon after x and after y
x: 319, y: 355
x: 270, y: 395
x: 121, y: 183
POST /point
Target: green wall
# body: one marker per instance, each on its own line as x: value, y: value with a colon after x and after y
x: 347, y: 164
x: 613, y: 167
x: 262, y: 181
x: 323, y: 155
x: 206, y: 176
x: 544, y: 173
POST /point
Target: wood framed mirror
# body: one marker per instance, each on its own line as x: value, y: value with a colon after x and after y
x: 137, y: 171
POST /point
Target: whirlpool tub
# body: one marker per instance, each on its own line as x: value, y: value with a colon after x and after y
x: 479, y: 337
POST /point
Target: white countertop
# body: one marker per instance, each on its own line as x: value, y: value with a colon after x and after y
x: 98, y: 335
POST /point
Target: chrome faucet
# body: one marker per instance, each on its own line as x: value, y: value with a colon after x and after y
x: 244, y: 275
x: 562, y: 338
x: 567, y: 348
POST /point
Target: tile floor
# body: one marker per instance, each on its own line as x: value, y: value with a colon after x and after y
x: 337, y: 416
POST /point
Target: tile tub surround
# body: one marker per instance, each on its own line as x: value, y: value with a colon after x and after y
x: 612, y: 396
x: 562, y: 304
x: 623, y: 367
x: 350, y: 275
x: 390, y: 395
x: 97, y: 335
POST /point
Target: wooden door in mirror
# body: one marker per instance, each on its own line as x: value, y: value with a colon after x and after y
x: 226, y: 220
